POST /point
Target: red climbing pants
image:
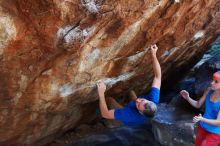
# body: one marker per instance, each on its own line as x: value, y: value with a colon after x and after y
x: 205, y: 138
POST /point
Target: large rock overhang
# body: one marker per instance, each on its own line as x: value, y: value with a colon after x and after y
x: 52, y: 53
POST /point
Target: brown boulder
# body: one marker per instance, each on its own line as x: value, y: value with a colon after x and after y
x: 53, y: 52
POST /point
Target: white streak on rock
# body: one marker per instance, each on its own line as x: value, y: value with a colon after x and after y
x: 123, y: 77
x: 73, y: 35
x: 69, y: 89
x: 7, y: 31
x: 66, y: 90
x: 168, y: 52
x: 203, y: 60
x: 135, y: 57
x: 63, y: 31
x: 89, y: 60
x: 94, y: 55
x: 90, y: 5
x: 165, y: 54
x: 82, y: 67
x: 177, y: 1
x: 199, y: 35
x: 76, y: 33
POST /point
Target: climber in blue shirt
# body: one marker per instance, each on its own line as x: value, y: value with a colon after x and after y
x: 140, y: 109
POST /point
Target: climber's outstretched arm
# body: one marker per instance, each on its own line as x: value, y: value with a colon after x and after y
x: 105, y: 112
x: 156, y: 67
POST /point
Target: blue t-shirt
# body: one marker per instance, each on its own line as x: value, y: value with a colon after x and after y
x: 211, y: 112
x: 130, y: 115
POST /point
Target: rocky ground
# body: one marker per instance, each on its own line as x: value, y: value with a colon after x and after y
x: 121, y: 136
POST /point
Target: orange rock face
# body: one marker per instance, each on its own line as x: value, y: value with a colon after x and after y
x: 52, y: 53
